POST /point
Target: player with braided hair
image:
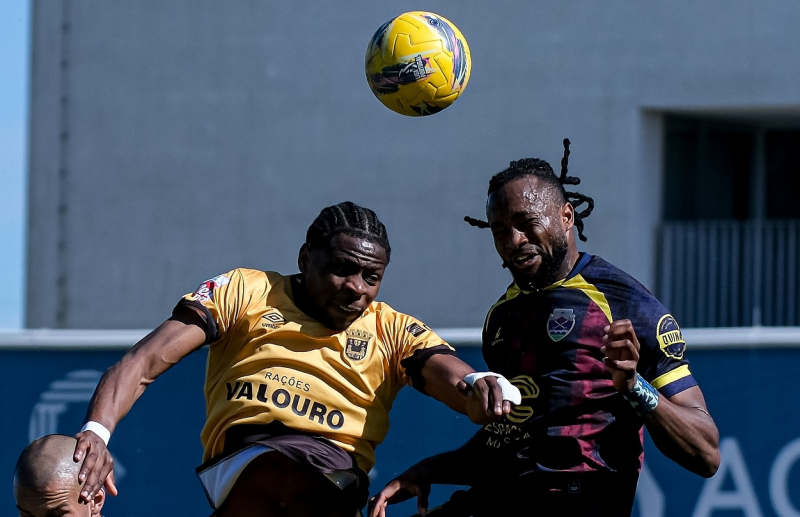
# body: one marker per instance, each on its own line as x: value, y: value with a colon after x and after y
x: 596, y: 358
x: 542, y: 170
x: 302, y: 370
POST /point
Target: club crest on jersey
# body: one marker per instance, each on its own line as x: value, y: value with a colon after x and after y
x: 357, y: 343
x: 669, y: 337
x: 206, y: 289
x: 560, y: 323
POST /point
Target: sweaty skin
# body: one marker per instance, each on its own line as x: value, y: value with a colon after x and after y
x: 46, y: 481
x: 532, y: 230
x: 337, y: 283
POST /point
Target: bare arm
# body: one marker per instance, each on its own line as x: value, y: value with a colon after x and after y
x: 444, y: 381
x: 448, y: 468
x: 680, y: 425
x: 683, y: 430
x: 124, y: 383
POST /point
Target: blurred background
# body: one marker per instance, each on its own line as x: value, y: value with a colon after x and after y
x: 147, y: 146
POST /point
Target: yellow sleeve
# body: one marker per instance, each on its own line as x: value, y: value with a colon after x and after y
x: 222, y: 300
x: 410, y: 342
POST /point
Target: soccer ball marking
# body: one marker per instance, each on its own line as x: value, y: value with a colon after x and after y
x: 417, y: 63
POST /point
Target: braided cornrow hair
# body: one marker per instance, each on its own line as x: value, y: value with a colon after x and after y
x: 542, y: 170
x: 347, y: 218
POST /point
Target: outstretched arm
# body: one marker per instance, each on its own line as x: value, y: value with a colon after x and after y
x: 483, y: 402
x: 680, y: 426
x: 124, y: 382
x: 449, y: 468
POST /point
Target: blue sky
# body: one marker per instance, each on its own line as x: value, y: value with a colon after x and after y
x: 14, y: 79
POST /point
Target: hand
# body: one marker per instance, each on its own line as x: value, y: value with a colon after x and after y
x: 97, y: 469
x: 622, y: 353
x: 411, y: 483
x: 485, y: 401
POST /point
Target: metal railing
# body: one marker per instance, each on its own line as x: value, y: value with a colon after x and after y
x: 731, y: 273
x: 89, y: 340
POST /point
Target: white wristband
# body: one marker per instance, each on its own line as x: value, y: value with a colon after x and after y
x: 510, y: 392
x: 98, y: 429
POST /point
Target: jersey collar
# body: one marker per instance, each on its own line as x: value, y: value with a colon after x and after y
x: 583, y: 259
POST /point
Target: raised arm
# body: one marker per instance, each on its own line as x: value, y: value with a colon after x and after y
x: 680, y: 426
x: 124, y: 383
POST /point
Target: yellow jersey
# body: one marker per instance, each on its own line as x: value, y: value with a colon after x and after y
x: 270, y: 361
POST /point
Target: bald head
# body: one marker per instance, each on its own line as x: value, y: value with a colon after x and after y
x: 46, y: 479
x: 46, y: 461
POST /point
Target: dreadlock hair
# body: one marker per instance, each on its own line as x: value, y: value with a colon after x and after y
x: 542, y: 170
x: 347, y: 218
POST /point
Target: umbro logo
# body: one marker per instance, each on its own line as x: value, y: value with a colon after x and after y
x: 272, y: 319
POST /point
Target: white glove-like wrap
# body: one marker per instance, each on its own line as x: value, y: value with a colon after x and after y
x: 510, y: 392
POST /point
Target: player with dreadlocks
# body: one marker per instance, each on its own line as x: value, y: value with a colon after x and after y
x: 302, y: 370
x: 564, y: 334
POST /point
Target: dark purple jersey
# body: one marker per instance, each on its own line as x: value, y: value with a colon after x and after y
x: 547, y: 343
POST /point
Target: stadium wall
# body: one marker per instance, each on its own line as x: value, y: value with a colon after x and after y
x: 746, y: 375
x: 173, y: 141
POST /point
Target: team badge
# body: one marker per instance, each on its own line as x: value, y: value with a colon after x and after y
x: 669, y: 337
x: 560, y: 323
x: 206, y: 289
x: 357, y: 343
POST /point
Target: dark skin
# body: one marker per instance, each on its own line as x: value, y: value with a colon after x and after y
x: 532, y: 229
x: 337, y: 283
x: 46, y: 484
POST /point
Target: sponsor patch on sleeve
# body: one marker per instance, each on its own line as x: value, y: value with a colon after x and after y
x: 206, y: 289
x: 415, y: 329
x: 669, y: 337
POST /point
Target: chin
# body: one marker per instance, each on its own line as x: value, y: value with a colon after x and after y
x: 533, y: 281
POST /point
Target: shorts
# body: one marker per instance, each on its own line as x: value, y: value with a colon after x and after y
x: 245, y: 443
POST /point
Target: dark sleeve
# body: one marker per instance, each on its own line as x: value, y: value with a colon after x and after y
x: 413, y: 364
x: 212, y: 331
x: 662, y: 360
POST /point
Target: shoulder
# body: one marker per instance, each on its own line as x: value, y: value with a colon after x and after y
x: 246, y: 281
x: 617, y: 285
x: 398, y: 324
x: 384, y: 313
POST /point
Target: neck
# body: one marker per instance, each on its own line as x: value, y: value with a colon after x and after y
x: 569, y: 263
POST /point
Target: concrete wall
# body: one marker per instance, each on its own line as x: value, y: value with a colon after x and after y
x: 172, y: 141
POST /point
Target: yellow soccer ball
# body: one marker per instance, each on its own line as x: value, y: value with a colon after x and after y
x: 418, y: 63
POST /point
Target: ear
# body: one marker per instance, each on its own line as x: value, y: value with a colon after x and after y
x: 302, y: 259
x: 567, y: 216
x: 98, y: 501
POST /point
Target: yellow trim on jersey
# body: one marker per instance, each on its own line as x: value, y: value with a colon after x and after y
x: 668, y: 378
x: 512, y: 293
x: 578, y: 282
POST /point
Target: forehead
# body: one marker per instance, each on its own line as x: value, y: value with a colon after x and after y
x: 525, y: 195
x: 55, y: 497
x: 344, y: 246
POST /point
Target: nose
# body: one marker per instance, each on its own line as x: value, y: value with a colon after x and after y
x: 517, y: 239
x: 356, y: 285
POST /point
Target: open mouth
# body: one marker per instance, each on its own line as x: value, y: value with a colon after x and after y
x: 526, y: 260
